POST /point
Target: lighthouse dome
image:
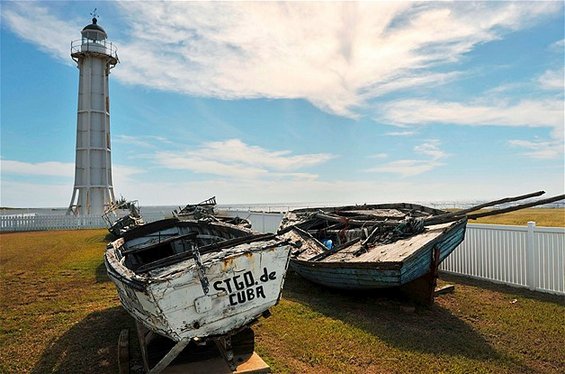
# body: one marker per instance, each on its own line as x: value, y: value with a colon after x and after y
x: 94, y: 31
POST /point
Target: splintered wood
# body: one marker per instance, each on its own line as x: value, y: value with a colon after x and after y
x: 398, y: 251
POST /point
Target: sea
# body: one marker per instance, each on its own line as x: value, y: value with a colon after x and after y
x: 166, y: 210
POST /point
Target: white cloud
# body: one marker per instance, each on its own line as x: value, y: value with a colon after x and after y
x: 57, y: 194
x: 379, y: 155
x: 552, y: 80
x: 229, y: 191
x: 529, y: 113
x: 526, y: 113
x: 24, y: 195
x: 49, y: 168
x: 401, y: 133
x: 408, y: 81
x: 54, y: 169
x: 335, y: 55
x: 507, y: 89
x: 408, y: 168
x: 35, y: 23
x: 145, y: 141
x: 275, y: 191
x: 235, y: 158
x: 430, y: 149
x: 558, y: 46
x: 552, y: 149
x: 125, y: 171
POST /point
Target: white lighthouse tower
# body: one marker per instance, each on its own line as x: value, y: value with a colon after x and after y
x: 95, y: 56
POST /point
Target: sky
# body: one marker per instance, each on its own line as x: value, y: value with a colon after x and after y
x: 278, y: 102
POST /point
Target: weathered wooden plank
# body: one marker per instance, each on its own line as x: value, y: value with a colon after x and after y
x: 169, y: 357
x: 123, y: 352
x: 449, y: 288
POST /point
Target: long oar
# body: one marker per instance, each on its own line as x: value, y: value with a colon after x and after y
x: 454, y: 217
x: 490, y: 203
x: 517, y: 207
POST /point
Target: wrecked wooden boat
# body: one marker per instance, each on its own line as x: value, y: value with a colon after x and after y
x: 206, y: 211
x: 188, y: 280
x: 380, y: 246
x: 369, y: 246
x: 118, y: 225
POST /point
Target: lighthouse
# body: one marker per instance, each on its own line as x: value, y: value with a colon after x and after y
x: 95, y: 56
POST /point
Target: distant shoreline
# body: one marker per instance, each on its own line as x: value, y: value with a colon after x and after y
x: 268, y: 207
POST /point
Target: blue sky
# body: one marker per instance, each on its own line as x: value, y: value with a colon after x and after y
x: 292, y: 102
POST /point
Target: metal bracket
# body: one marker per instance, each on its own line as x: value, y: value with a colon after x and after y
x: 224, y: 346
x: 204, y: 282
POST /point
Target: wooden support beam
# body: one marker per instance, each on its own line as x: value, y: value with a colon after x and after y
x: 445, y: 289
x: 169, y: 357
x: 123, y: 352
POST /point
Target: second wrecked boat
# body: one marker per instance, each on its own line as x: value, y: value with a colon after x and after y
x: 369, y: 246
x: 206, y: 211
x: 381, y: 246
x: 118, y: 225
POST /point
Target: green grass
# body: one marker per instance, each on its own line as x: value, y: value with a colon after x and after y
x: 541, y: 216
x: 60, y: 313
x: 476, y: 329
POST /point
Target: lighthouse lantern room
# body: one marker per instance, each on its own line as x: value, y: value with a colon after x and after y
x: 95, y: 56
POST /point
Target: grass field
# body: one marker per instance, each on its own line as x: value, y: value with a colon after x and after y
x: 60, y: 313
x: 541, y: 216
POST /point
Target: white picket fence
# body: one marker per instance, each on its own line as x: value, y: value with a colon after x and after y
x: 36, y: 222
x: 263, y: 222
x: 31, y: 222
x: 260, y: 221
x: 532, y: 257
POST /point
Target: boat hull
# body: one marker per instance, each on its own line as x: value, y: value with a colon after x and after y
x: 183, y: 300
x: 374, y: 275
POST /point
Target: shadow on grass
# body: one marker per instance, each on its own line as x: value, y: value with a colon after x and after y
x: 506, y: 289
x: 431, y: 330
x: 89, y: 346
x: 101, y: 274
